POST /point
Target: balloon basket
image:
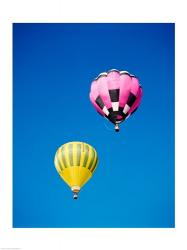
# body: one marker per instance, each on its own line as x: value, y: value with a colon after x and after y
x: 75, y: 196
x: 116, y: 128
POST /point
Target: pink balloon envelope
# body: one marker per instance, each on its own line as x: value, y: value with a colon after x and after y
x: 116, y: 95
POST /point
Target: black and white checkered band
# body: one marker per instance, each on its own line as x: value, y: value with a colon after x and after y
x: 114, y: 97
x: 113, y: 115
x: 116, y: 113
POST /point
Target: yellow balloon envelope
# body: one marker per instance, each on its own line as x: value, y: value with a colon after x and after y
x: 76, y: 163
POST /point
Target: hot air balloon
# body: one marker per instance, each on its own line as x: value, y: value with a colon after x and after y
x: 76, y: 162
x: 116, y: 95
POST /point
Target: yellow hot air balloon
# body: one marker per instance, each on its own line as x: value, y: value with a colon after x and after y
x: 76, y: 163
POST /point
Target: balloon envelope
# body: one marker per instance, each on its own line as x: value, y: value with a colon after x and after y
x: 116, y: 95
x: 76, y: 163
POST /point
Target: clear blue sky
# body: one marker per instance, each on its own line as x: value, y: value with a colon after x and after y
x: 53, y: 66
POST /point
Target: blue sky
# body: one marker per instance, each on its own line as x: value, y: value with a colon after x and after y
x: 53, y: 66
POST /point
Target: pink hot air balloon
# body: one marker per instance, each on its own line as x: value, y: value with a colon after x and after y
x: 116, y: 95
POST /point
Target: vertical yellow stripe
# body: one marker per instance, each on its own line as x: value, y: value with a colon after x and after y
x: 66, y: 154
x: 70, y: 154
x: 89, y: 157
x: 95, y: 162
x: 58, y: 165
x: 94, y: 166
x: 74, y: 153
x: 61, y: 157
x: 86, y: 155
x: 78, y: 154
x: 58, y: 155
x: 82, y: 154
